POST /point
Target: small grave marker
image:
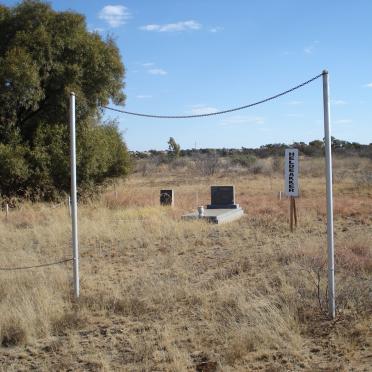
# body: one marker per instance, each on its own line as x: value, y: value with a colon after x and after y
x: 167, y: 197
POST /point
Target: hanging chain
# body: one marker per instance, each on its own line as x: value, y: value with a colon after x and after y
x: 218, y: 112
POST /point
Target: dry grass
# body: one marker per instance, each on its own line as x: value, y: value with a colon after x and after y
x: 159, y: 293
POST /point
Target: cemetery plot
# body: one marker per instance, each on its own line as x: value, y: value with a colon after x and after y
x: 222, y: 208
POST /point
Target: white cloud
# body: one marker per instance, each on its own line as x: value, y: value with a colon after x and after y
x: 295, y: 103
x: 151, y: 69
x: 310, y: 48
x: 143, y: 96
x: 150, y: 28
x: 215, y: 29
x: 157, y: 71
x: 243, y: 120
x: 114, y: 15
x: 202, y: 109
x: 172, y: 27
x: 369, y: 85
x: 343, y: 121
x: 339, y: 102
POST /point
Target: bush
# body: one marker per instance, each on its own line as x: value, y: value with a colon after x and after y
x: 244, y: 160
x: 207, y: 164
x: 278, y: 164
x: 42, y: 170
x: 13, y: 334
x: 14, y: 171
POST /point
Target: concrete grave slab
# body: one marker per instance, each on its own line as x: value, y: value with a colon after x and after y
x: 216, y: 215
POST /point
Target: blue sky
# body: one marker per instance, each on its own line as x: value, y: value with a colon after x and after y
x: 196, y: 56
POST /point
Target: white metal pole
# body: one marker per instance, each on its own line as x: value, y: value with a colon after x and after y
x: 75, y: 243
x: 69, y: 205
x: 330, y: 237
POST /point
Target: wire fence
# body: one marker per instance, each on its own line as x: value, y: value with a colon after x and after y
x: 340, y: 271
x: 36, y: 266
x: 156, y: 116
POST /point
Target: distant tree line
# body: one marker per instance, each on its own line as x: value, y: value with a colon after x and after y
x: 313, y: 148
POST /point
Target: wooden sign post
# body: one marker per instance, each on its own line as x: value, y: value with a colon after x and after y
x: 292, y: 212
x: 291, y: 183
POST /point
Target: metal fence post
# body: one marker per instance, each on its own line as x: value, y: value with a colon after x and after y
x: 330, y: 236
x: 75, y: 242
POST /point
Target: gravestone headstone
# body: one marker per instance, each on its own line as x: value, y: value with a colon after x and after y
x: 167, y: 197
x: 222, y: 197
x: 222, y: 208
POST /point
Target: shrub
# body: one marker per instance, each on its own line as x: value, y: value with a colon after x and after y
x: 207, y: 164
x: 245, y: 160
x: 13, y: 334
x: 42, y: 170
x: 278, y: 164
x: 14, y: 170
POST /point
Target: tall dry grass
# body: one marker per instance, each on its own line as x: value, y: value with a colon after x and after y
x: 165, y: 294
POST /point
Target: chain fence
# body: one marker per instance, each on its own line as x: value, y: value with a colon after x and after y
x: 155, y: 116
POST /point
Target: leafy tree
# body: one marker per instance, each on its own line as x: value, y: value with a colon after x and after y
x: 317, y: 144
x: 13, y: 167
x: 44, y: 55
x: 174, y: 147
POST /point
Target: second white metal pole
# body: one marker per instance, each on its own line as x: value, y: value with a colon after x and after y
x: 330, y: 237
x: 75, y: 242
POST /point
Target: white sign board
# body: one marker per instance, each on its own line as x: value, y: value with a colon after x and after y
x: 291, y: 172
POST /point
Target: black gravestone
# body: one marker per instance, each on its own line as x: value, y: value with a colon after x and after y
x: 222, y: 197
x: 167, y: 197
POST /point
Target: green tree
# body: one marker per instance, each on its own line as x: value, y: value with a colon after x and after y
x: 174, y: 148
x: 317, y: 144
x: 44, y: 55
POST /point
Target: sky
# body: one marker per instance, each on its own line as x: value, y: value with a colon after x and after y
x: 201, y: 56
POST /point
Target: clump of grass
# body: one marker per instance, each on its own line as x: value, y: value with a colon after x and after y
x: 355, y: 256
x: 13, y: 333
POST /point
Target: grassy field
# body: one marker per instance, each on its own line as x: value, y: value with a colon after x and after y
x: 161, y: 294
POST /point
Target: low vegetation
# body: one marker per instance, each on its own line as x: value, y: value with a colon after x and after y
x: 159, y: 293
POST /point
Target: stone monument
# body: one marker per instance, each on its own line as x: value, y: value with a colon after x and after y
x: 222, y: 197
x: 222, y: 208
